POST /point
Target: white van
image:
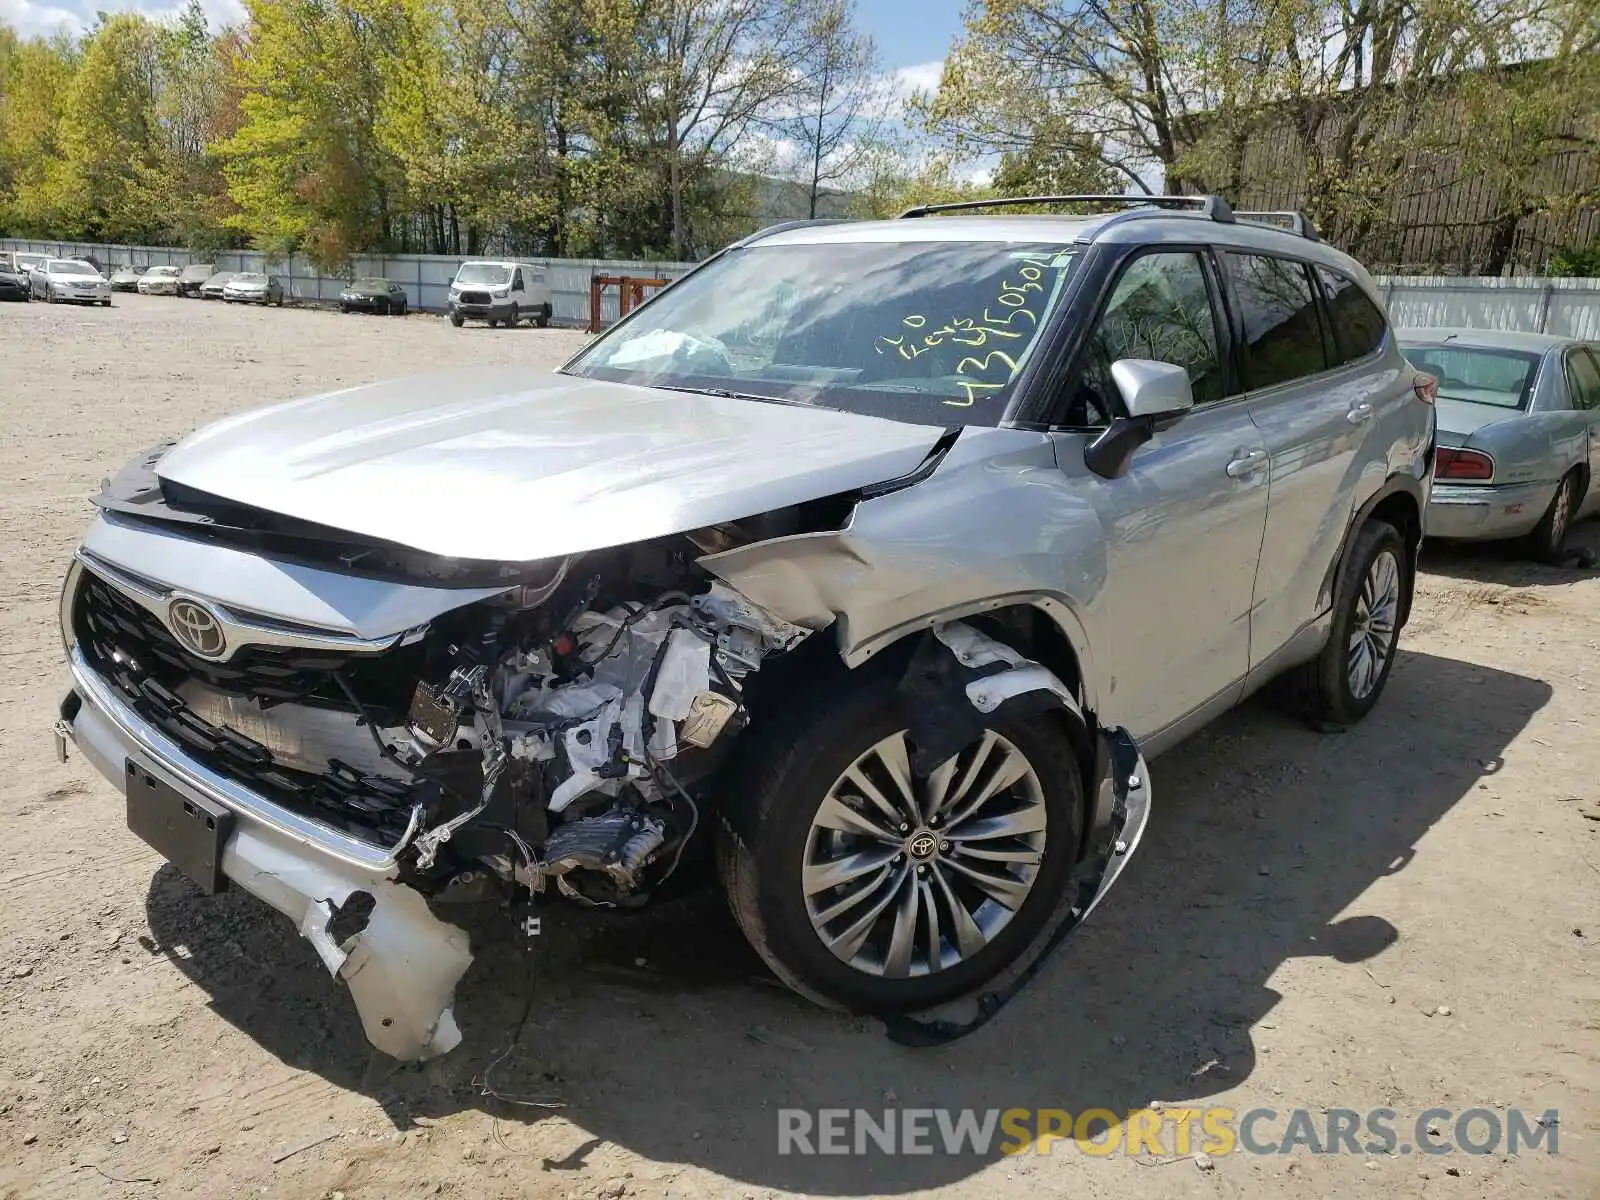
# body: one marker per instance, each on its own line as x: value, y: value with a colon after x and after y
x: 496, y: 291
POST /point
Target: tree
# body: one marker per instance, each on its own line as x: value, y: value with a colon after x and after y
x: 687, y: 82
x: 39, y: 196
x: 306, y: 167
x: 109, y: 132
x: 1125, y: 82
x: 839, y: 100
x: 893, y: 183
x: 1056, y: 164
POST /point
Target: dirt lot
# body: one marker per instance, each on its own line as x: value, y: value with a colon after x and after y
x: 1402, y: 916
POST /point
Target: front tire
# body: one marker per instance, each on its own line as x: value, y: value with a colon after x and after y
x: 457, y: 320
x: 1342, y: 683
x: 513, y: 317
x: 1549, y: 537
x: 866, y: 888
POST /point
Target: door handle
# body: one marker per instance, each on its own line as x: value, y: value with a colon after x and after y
x: 1246, y: 465
x: 1358, y: 413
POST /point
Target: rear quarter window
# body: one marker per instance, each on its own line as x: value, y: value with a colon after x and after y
x: 1359, y: 327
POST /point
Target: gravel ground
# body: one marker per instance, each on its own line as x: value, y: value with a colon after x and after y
x: 1402, y: 916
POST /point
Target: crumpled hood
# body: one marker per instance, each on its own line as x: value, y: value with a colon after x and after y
x: 509, y: 465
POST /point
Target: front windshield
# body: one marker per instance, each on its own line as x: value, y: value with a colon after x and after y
x: 484, y: 275
x: 927, y: 332
x: 248, y: 278
x: 371, y: 285
x: 1501, y: 378
x: 167, y: 272
x: 67, y: 266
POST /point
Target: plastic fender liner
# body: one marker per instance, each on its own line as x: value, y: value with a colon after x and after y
x: 956, y: 679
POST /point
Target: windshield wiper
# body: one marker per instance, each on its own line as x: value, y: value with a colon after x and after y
x: 728, y: 394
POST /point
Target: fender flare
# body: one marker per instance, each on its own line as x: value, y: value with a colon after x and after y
x: 1396, y: 484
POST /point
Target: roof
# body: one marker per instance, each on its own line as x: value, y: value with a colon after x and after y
x: 1134, y: 226
x: 1486, y: 339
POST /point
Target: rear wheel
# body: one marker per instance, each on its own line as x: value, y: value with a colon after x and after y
x: 1549, y: 536
x: 864, y: 886
x: 543, y: 319
x: 1341, y: 684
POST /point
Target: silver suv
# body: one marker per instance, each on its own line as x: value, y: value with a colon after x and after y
x: 865, y: 567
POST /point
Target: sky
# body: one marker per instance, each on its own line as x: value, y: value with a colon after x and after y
x: 913, y: 36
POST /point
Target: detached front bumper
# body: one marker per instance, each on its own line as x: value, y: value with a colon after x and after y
x: 1487, y: 512
x: 401, y: 969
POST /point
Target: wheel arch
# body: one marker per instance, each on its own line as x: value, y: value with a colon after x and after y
x: 1042, y: 628
x: 1398, y: 502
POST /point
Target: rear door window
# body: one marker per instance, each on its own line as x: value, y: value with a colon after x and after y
x: 1359, y: 327
x: 1282, y: 326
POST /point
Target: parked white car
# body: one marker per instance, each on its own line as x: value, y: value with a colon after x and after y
x: 499, y: 291
x: 62, y: 279
x: 159, y: 281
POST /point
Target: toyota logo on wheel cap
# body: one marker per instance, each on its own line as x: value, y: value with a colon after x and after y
x: 197, y: 628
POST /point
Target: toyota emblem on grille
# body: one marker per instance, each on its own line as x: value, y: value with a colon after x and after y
x: 195, y: 626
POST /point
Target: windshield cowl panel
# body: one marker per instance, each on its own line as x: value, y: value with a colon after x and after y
x: 933, y: 333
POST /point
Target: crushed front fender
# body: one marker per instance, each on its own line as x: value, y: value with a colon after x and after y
x: 1118, y: 811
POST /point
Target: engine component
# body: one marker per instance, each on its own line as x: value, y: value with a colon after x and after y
x: 619, y: 843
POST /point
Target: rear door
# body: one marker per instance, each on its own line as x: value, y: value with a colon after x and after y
x: 1319, y: 407
x: 1183, y: 525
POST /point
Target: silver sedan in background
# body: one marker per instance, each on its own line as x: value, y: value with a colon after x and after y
x: 252, y: 287
x: 1519, y: 434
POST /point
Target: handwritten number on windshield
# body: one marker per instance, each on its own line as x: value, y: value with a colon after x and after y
x: 975, y: 375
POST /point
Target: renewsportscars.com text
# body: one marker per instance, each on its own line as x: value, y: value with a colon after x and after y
x: 1213, y: 1131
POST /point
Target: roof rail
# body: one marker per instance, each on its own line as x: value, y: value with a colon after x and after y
x: 1214, y: 207
x: 785, y: 226
x: 1291, y: 220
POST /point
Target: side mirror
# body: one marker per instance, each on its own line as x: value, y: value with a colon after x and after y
x: 1152, y: 389
x: 1156, y: 395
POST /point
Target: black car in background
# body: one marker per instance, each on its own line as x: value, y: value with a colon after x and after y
x: 375, y: 296
x: 193, y: 277
x: 13, y: 278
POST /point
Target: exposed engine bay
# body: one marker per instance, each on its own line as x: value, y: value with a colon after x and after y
x: 587, y: 727
x: 552, y: 734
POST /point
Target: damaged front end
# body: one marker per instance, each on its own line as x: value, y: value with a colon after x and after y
x: 359, y: 734
x: 549, y: 737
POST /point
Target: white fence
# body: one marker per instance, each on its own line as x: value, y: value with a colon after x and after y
x: 425, y: 277
x: 1529, y: 304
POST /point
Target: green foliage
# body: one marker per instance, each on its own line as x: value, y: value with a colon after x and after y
x: 1575, y: 263
x: 1363, y: 114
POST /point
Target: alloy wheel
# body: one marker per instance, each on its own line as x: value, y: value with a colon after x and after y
x: 1372, y: 632
x: 905, y: 876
